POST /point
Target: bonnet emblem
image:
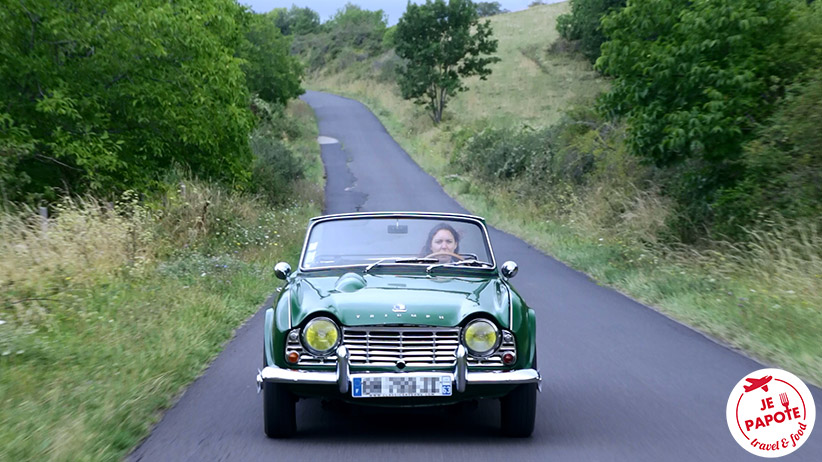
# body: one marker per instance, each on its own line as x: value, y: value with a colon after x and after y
x: 399, y: 308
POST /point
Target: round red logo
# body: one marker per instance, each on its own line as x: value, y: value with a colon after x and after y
x: 770, y: 413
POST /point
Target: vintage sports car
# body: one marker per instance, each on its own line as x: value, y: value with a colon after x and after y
x: 399, y: 309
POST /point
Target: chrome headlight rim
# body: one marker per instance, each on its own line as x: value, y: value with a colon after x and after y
x: 490, y: 351
x: 312, y: 350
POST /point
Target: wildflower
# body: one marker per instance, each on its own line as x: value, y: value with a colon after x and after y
x: 2, y: 322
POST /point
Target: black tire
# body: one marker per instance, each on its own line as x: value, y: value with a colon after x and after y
x: 519, y: 410
x: 279, y: 411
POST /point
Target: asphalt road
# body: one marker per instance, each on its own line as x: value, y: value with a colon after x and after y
x: 621, y: 381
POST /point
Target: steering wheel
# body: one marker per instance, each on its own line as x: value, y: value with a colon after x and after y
x: 450, y: 254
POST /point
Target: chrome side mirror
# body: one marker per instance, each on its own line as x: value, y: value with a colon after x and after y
x: 509, y: 269
x: 282, y: 270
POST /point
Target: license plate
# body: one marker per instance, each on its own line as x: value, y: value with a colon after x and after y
x: 380, y: 386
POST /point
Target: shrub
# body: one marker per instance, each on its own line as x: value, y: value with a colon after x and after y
x: 275, y: 168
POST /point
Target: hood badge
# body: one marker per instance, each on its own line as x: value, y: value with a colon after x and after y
x: 399, y: 308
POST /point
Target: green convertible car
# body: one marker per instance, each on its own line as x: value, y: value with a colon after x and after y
x: 399, y: 309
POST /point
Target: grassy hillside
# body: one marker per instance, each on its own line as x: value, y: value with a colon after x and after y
x: 763, y: 297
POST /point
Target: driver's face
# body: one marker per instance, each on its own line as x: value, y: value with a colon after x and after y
x: 443, y: 241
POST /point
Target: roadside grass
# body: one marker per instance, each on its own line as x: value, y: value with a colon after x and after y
x: 108, y: 312
x: 764, y: 298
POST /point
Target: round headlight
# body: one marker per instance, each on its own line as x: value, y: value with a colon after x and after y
x: 320, y: 336
x: 481, y: 337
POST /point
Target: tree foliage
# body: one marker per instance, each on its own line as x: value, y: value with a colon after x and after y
x: 101, y: 94
x: 693, y: 78
x: 357, y: 27
x: 442, y: 44
x: 582, y: 24
x: 271, y: 71
x: 351, y: 35
x: 489, y: 9
x: 696, y: 82
x: 295, y: 20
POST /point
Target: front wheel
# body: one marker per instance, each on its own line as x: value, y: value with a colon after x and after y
x: 279, y: 411
x: 519, y: 410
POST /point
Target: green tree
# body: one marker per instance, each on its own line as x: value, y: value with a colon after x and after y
x: 442, y: 44
x: 359, y: 28
x: 583, y: 24
x: 102, y: 94
x: 489, y: 9
x: 296, y: 20
x: 271, y: 71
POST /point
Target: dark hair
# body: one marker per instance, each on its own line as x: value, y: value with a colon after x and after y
x: 426, y: 248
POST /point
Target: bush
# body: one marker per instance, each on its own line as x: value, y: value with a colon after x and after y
x: 275, y: 168
x: 782, y: 166
x: 496, y: 154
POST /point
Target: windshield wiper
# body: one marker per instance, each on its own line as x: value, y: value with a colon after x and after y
x: 398, y: 260
x: 477, y: 263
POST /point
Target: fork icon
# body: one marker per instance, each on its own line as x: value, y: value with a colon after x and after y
x: 783, y: 398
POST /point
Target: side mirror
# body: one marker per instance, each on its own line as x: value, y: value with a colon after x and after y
x: 509, y: 269
x: 282, y: 270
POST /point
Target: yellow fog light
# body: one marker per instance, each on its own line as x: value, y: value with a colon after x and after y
x: 481, y: 337
x: 320, y: 336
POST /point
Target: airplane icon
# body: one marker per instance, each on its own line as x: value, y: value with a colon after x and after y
x: 753, y: 384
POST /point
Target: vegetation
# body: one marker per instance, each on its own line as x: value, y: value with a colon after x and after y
x: 103, y: 97
x: 582, y: 24
x: 489, y: 9
x: 442, y: 44
x: 530, y: 150
x: 350, y: 36
x: 270, y: 70
x: 160, y: 140
x: 695, y: 111
x: 119, y: 307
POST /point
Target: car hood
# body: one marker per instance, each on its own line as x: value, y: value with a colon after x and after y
x: 357, y: 300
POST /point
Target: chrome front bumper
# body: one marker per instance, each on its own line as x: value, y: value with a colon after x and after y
x: 341, y: 377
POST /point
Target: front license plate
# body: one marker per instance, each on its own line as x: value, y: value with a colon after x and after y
x: 380, y: 386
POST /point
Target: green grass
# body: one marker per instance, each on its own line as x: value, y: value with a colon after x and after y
x: 765, y: 299
x: 108, y: 317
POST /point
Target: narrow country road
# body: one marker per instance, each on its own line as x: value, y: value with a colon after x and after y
x: 620, y: 381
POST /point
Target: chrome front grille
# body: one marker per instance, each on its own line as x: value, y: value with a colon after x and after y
x: 415, y: 346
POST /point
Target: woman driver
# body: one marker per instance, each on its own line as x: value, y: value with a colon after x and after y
x: 443, y: 240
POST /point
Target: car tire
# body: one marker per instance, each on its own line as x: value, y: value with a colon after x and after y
x: 519, y: 410
x: 279, y: 411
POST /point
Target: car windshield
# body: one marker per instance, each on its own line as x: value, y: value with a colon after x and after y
x: 377, y: 241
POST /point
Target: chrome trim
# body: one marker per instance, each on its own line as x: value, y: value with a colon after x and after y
x: 517, y: 377
x: 509, y: 269
x: 289, y: 294
x: 461, y: 370
x: 282, y: 270
x: 342, y: 369
x: 457, y: 216
x: 510, y: 308
x: 274, y: 374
